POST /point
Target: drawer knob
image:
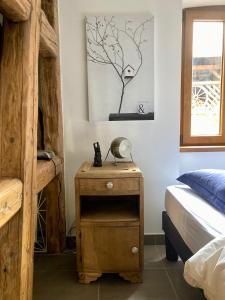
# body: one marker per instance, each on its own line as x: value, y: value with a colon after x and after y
x: 134, y: 250
x: 109, y: 185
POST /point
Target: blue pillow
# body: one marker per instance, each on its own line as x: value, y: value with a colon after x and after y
x: 209, y: 184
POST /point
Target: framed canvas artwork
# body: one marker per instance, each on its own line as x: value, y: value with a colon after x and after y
x: 120, y: 62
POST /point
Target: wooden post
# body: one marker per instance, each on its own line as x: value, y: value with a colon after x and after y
x: 10, y: 260
x: 18, y: 137
x: 50, y: 93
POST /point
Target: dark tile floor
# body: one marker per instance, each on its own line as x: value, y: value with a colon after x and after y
x: 55, y: 278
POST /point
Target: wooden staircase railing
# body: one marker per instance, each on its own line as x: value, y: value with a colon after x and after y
x: 30, y: 37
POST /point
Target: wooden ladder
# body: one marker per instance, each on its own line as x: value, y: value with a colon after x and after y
x: 29, y: 69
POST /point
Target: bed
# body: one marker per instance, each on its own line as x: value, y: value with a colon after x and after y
x: 189, y: 222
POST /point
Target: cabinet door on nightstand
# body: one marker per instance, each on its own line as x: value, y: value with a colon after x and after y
x: 110, y: 249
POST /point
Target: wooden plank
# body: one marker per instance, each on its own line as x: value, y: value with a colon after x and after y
x: 10, y: 199
x: 47, y: 171
x: 4, y: 262
x: 50, y: 88
x: 50, y: 7
x: 202, y: 148
x: 141, y: 217
x: 55, y: 222
x: 18, y: 129
x: 101, y: 216
x: 1, y: 37
x: 9, y: 259
x: 31, y: 43
x: 50, y: 93
x: 16, y: 10
x: 10, y: 120
x: 8, y: 70
x: 108, y: 170
x: 48, y: 40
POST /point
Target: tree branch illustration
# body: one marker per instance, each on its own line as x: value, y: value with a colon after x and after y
x: 105, y: 47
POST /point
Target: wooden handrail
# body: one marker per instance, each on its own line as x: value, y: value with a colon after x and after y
x: 48, y: 39
x: 10, y: 198
x: 16, y: 10
x: 46, y: 171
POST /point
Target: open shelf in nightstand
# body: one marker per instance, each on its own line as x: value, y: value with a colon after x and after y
x: 109, y: 208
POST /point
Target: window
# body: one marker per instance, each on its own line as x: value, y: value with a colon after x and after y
x: 203, y: 92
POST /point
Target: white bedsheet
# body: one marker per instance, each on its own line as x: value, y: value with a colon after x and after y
x: 206, y: 269
x: 197, y: 221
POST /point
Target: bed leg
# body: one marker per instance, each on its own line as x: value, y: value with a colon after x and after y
x: 171, y: 253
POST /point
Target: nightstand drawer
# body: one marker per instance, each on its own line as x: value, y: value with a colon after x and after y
x: 120, y: 186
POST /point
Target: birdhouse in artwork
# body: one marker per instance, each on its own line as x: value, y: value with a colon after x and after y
x: 128, y: 72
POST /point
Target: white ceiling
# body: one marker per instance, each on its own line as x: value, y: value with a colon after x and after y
x: 191, y: 3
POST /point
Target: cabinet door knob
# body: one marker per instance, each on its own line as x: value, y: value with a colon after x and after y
x: 134, y: 250
x: 109, y: 185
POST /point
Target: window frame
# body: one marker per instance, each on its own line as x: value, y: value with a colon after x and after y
x: 210, y: 13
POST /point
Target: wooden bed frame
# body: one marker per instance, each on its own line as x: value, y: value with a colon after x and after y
x: 175, y: 245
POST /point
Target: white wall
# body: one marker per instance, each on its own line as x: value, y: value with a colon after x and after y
x: 201, y: 160
x: 155, y: 143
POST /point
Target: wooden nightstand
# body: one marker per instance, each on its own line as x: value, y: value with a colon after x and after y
x: 109, y: 221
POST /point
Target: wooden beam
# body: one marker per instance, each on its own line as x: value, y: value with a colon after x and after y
x: 48, y: 40
x: 16, y: 10
x: 10, y: 199
x: 47, y: 171
x: 50, y: 93
x: 31, y: 42
x: 50, y: 7
x: 55, y: 221
x: 9, y: 262
x: 18, y: 131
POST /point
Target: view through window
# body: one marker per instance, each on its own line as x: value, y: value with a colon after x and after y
x: 207, y: 53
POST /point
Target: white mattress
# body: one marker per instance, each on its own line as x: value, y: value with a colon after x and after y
x: 196, y: 220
